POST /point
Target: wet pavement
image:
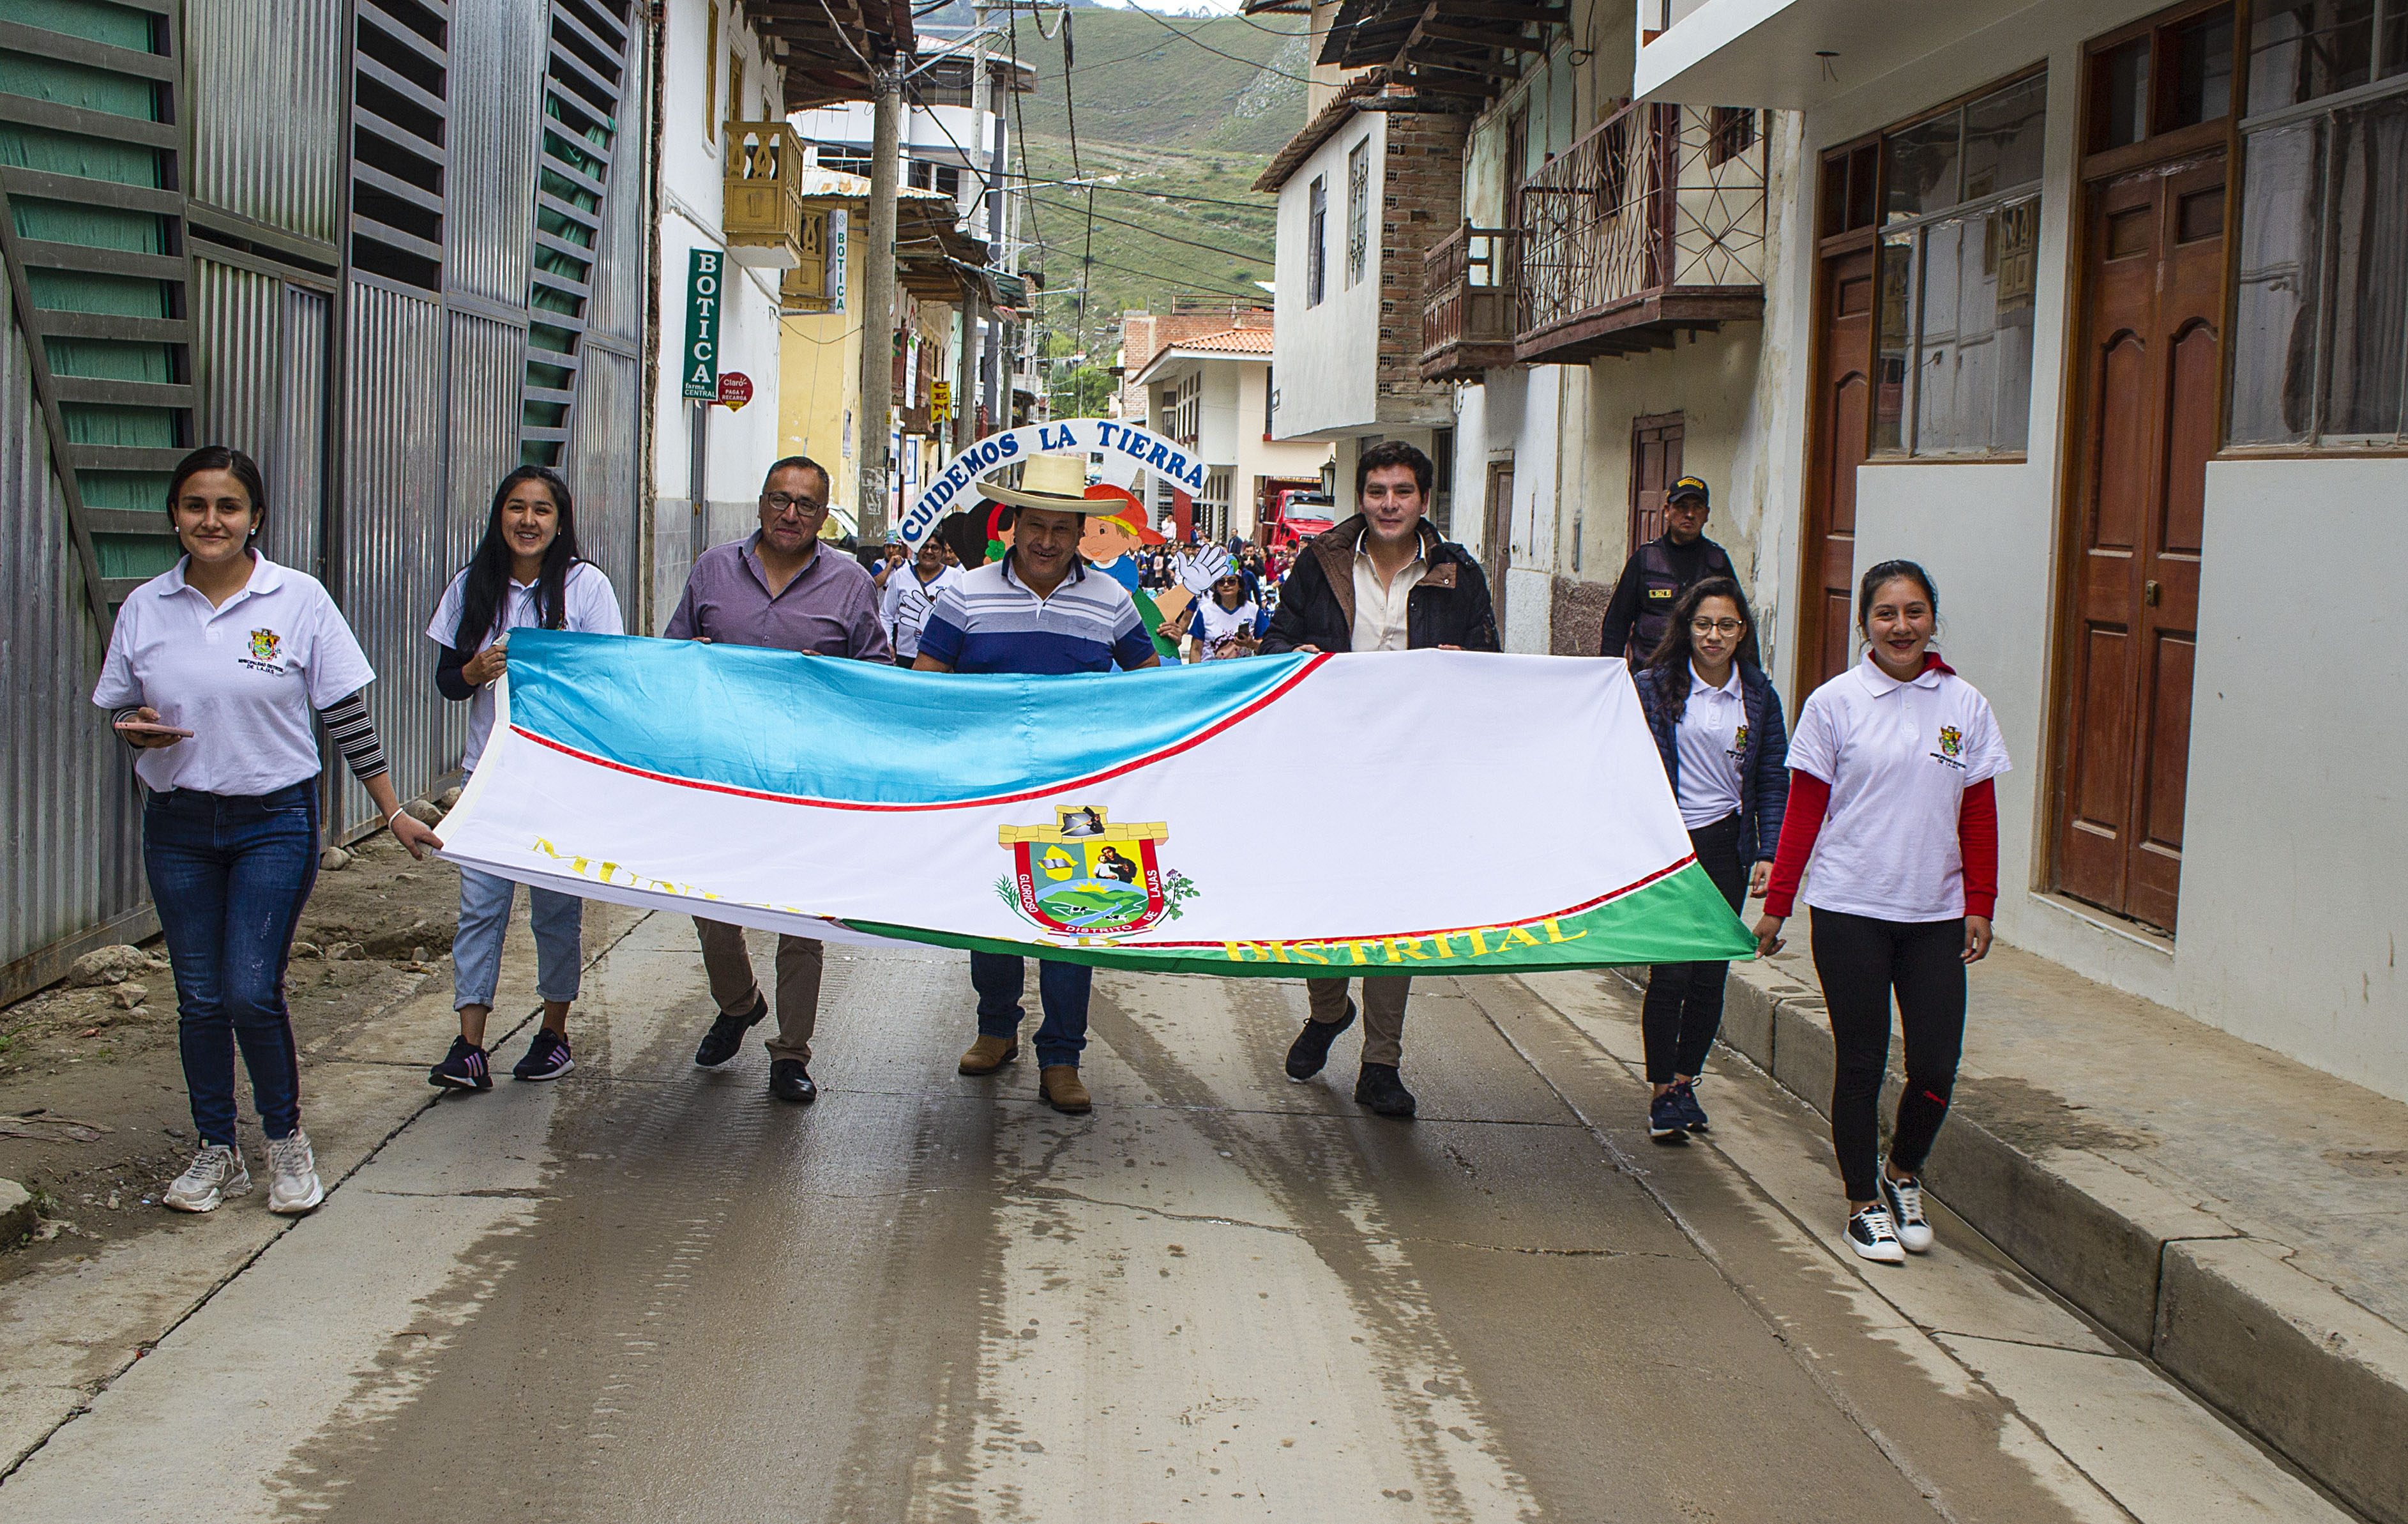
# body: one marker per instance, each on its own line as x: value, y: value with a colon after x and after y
x: 650, y: 1292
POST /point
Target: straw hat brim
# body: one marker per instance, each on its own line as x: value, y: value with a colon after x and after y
x: 1018, y: 498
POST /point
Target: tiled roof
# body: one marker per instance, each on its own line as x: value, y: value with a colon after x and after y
x: 1231, y: 341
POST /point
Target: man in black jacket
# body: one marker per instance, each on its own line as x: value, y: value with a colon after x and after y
x: 1382, y: 581
x: 1659, y: 571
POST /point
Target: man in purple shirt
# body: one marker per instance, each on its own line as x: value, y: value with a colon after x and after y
x: 778, y: 588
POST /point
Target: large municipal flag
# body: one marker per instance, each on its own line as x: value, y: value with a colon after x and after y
x: 1425, y: 813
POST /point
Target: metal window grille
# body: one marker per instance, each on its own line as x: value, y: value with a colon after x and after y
x: 586, y: 80
x: 1358, y: 211
x: 401, y: 121
x: 1316, y: 241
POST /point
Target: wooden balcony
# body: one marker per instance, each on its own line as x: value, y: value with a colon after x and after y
x: 761, y: 210
x: 1468, y: 303
x: 1649, y: 226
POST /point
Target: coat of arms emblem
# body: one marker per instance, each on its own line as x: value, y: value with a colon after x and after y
x: 1951, y: 741
x: 264, y: 645
x: 1085, y: 877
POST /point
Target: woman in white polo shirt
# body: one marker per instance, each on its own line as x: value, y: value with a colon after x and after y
x: 1891, y: 798
x: 213, y: 671
x: 526, y: 572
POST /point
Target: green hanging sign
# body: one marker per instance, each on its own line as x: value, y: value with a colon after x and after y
x: 702, y: 293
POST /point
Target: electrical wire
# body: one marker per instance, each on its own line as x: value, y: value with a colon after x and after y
x: 1190, y: 37
x: 1208, y: 247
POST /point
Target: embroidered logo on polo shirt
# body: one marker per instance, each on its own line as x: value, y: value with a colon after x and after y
x: 1952, y: 746
x: 266, y: 647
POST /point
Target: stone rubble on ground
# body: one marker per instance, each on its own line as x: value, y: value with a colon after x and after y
x: 334, y: 860
x: 131, y: 994
x: 423, y: 813
x: 339, y: 951
x: 112, y: 966
x: 17, y: 1212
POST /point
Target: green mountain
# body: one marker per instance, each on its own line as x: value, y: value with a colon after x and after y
x: 1175, y: 116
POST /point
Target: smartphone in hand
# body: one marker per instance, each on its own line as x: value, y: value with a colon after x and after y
x: 153, y: 727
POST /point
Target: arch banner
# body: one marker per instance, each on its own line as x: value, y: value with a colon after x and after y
x: 1122, y: 446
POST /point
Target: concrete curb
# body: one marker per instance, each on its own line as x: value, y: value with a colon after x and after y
x: 2312, y: 1373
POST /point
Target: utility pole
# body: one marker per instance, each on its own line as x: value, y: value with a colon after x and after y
x: 878, y: 300
x: 999, y: 394
x: 965, y: 361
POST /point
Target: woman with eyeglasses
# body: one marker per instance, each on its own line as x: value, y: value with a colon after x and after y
x: 527, y: 572
x: 1717, y: 723
x: 215, y: 670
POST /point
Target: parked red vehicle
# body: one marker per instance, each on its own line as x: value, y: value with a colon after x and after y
x: 1292, y: 513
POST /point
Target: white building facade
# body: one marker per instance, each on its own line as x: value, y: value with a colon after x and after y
x: 1211, y: 394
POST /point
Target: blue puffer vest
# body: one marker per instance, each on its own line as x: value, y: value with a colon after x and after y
x: 1763, y: 764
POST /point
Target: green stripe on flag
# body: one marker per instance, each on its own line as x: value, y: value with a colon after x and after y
x: 1680, y: 919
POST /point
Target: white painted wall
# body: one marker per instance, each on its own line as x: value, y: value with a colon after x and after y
x: 2296, y: 820
x: 1328, y: 354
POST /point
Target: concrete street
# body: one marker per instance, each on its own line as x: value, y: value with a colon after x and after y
x: 649, y: 1292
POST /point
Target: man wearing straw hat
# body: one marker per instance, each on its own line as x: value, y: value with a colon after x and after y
x: 1039, y: 610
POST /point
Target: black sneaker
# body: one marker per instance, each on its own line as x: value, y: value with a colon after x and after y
x: 1685, y: 1094
x: 1378, y: 1088
x: 726, y: 1035
x: 547, y: 1057
x: 466, y: 1066
x: 1874, y: 1237
x: 1664, y: 1122
x: 1311, y: 1049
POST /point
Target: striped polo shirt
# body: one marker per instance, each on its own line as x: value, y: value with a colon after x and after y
x: 992, y: 622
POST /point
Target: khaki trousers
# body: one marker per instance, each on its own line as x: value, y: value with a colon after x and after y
x: 736, y: 991
x: 1383, y: 1013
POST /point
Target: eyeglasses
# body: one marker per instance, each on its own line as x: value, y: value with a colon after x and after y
x: 782, y: 502
x: 1717, y: 626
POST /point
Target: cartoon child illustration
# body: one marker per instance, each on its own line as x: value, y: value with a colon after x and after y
x: 1116, y: 529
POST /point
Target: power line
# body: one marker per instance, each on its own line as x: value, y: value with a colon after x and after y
x: 1190, y: 37
x: 1208, y: 247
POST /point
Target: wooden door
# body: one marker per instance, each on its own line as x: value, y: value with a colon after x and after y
x: 2150, y: 356
x: 1497, y: 547
x: 1655, y: 465
x: 1843, y: 421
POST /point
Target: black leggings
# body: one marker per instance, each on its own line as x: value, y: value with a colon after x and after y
x: 1683, y: 1007
x: 1861, y: 961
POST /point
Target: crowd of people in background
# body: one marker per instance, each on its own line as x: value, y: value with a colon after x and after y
x: 219, y: 670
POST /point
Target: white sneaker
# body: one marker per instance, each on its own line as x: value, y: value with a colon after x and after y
x: 216, y: 1173
x: 294, y: 1189
x: 1904, y: 1199
x: 1873, y: 1237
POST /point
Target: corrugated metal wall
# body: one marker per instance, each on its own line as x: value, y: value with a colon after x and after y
x: 69, y: 826
x: 425, y: 411
x: 267, y: 142
x: 497, y: 53
x: 392, y: 545
x: 602, y: 468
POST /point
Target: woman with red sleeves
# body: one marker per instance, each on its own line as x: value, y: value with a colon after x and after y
x: 1891, y: 798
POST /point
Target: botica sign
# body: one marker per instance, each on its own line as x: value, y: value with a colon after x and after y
x: 954, y: 487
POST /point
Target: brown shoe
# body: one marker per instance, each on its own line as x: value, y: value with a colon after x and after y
x: 1059, y: 1084
x: 989, y: 1054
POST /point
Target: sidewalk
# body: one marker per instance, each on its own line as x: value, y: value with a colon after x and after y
x: 2240, y: 1217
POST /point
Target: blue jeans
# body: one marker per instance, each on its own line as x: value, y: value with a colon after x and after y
x: 1061, y: 989
x: 230, y: 875
x: 485, y: 918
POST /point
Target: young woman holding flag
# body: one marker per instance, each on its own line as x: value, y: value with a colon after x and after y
x: 526, y: 572
x: 214, y: 671
x: 1891, y: 799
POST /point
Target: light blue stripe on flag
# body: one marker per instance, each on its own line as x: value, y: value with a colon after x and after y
x: 762, y: 720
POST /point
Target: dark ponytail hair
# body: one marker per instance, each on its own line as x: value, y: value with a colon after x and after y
x: 489, y: 570
x: 1890, y: 571
x: 219, y: 458
x: 1671, y: 662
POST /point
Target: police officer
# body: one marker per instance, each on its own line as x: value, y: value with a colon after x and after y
x: 1660, y: 571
